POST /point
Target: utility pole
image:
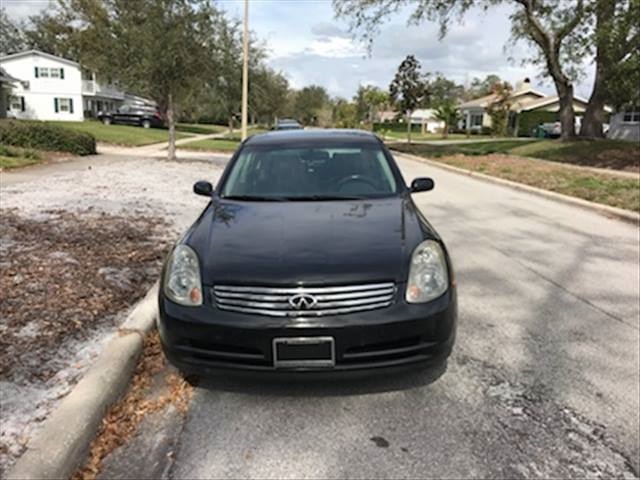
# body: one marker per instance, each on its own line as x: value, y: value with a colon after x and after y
x: 245, y: 69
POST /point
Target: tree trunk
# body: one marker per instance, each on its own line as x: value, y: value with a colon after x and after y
x: 171, y: 151
x: 549, y: 42
x: 445, y: 130
x: 595, y: 115
x: 409, y: 127
x: 230, y: 124
x: 567, y: 115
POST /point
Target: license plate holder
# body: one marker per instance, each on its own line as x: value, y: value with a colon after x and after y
x: 304, y: 352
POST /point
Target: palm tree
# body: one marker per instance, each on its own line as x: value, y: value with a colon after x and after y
x: 447, y: 112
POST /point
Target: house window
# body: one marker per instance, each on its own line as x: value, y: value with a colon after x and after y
x: 63, y: 105
x: 476, y: 119
x: 16, y: 104
x: 631, y: 117
x: 46, y: 72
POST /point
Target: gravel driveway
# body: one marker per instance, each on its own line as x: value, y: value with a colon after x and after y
x: 122, y: 212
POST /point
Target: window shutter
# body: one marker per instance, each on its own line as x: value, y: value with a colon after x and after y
x: 62, y: 73
x: 71, y: 105
x: 22, y: 103
x: 36, y: 72
x: 55, y: 104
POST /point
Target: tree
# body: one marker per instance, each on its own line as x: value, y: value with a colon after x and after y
x: 345, y: 114
x: 546, y: 24
x: 407, y: 89
x: 440, y: 89
x: 268, y: 95
x: 159, y: 48
x: 13, y: 39
x: 446, y: 111
x: 310, y: 104
x: 482, y: 88
x: 615, y: 41
x: 369, y: 100
x: 500, y: 108
x: 52, y: 31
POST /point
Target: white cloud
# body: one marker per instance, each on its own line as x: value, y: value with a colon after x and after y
x: 334, y: 47
x: 22, y: 9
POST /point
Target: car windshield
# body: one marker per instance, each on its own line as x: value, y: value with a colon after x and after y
x: 312, y: 173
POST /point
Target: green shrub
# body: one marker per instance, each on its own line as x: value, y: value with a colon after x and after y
x: 396, y: 127
x: 529, y: 120
x: 6, y: 151
x: 44, y: 136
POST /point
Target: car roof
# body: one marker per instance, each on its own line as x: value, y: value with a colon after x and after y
x: 318, y: 136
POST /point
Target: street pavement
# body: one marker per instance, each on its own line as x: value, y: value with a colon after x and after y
x: 543, y: 381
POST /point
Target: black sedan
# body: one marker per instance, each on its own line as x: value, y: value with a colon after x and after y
x: 141, y: 116
x: 311, y: 256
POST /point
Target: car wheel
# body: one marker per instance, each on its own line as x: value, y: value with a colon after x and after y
x: 106, y: 121
x: 146, y: 124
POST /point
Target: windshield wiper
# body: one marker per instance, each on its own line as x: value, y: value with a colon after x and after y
x: 255, y: 198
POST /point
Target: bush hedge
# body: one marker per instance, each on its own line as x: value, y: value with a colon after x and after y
x: 396, y: 127
x: 529, y: 120
x: 44, y: 136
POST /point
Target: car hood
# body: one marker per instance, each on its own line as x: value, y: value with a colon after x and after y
x: 289, y: 243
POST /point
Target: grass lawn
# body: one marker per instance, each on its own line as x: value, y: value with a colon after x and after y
x: 596, y: 187
x: 126, y: 135
x: 200, y: 128
x: 13, y: 157
x: 228, y: 143
x: 250, y: 131
x: 614, y: 154
x: 213, y: 144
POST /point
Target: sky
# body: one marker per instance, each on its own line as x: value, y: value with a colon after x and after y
x: 309, y: 46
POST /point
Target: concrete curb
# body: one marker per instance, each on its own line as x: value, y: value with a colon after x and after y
x: 607, y: 211
x: 63, y: 443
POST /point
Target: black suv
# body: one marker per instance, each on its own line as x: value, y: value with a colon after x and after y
x: 142, y: 116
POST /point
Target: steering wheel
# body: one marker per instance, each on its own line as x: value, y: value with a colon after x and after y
x: 358, y: 178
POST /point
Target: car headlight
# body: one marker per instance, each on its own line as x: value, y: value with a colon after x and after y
x: 182, y: 282
x: 428, y: 275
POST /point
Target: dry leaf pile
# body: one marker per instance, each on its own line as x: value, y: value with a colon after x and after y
x: 65, y: 275
x: 123, y: 419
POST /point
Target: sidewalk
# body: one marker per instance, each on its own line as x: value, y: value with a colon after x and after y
x: 156, y: 150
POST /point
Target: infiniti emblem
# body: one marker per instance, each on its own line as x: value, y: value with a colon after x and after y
x: 302, y: 301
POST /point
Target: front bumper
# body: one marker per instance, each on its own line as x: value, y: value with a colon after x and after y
x: 207, y: 340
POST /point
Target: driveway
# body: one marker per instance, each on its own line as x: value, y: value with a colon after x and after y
x: 543, y: 381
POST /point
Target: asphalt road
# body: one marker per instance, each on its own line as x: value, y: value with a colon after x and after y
x: 543, y: 382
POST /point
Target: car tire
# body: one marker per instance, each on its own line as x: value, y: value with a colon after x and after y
x: 146, y: 124
x: 106, y: 121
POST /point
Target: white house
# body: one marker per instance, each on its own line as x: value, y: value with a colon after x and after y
x: 54, y: 88
x: 625, y: 125
x: 426, y: 117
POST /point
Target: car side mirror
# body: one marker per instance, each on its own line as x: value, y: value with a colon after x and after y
x: 203, y: 188
x: 423, y: 184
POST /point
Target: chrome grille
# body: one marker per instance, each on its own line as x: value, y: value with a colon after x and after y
x: 318, y: 301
